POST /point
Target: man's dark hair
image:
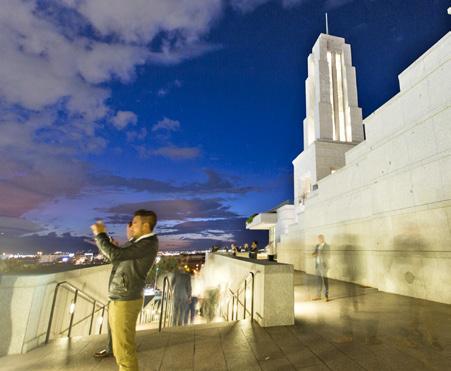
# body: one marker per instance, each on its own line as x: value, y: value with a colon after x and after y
x: 147, y: 216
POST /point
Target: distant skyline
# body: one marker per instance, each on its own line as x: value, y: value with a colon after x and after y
x: 193, y: 109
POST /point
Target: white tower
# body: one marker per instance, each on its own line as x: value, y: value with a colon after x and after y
x: 334, y: 120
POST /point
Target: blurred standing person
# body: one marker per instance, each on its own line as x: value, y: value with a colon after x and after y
x: 181, y: 285
x: 321, y: 254
x: 271, y: 251
x: 131, y: 263
x: 234, y: 249
x: 254, y: 249
x: 190, y: 313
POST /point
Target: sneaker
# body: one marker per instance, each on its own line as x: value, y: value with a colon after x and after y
x: 103, y: 354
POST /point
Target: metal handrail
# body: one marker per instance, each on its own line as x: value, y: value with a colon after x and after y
x: 235, y: 296
x: 77, y: 293
x: 152, y: 305
x: 166, y: 297
x: 81, y: 320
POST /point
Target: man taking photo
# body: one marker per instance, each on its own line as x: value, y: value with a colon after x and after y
x: 131, y: 263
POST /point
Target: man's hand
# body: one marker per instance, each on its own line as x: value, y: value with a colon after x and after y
x: 98, y: 228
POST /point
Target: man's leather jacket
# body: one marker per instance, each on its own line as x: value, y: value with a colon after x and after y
x: 131, y: 263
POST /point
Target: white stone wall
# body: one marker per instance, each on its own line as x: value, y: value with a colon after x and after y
x: 285, y: 217
x: 387, y: 213
x: 25, y: 302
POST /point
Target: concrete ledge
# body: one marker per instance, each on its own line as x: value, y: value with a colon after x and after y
x: 273, y: 292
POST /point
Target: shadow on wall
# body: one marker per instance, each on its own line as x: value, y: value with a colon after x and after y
x: 6, y: 294
x: 406, y: 268
x: 405, y: 265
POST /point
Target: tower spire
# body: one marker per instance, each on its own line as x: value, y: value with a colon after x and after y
x: 327, y: 25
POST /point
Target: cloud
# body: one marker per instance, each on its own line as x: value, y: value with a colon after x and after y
x: 164, y: 128
x: 205, y: 233
x: 166, y: 124
x: 13, y: 227
x: 136, y: 135
x: 35, y: 163
x: 177, y: 153
x: 64, y: 50
x: 292, y: 3
x: 246, y: 6
x: 135, y: 184
x: 162, y: 92
x: 58, y: 58
x: 215, y: 183
x: 335, y: 4
x: 140, y: 21
x: 38, y: 180
x: 178, y: 209
x: 40, y: 65
x: 192, y: 223
x: 123, y: 119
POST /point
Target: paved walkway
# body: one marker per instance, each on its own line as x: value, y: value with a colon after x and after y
x: 359, y: 329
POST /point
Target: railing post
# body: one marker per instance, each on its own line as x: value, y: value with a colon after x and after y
x: 162, y: 304
x: 103, y: 318
x: 92, y: 316
x: 52, y: 310
x: 252, y: 297
x: 170, y: 299
x: 166, y: 316
x: 141, y: 314
x: 244, y: 300
x: 74, y: 303
x: 233, y: 305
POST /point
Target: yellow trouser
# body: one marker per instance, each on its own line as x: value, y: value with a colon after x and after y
x: 122, y: 316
